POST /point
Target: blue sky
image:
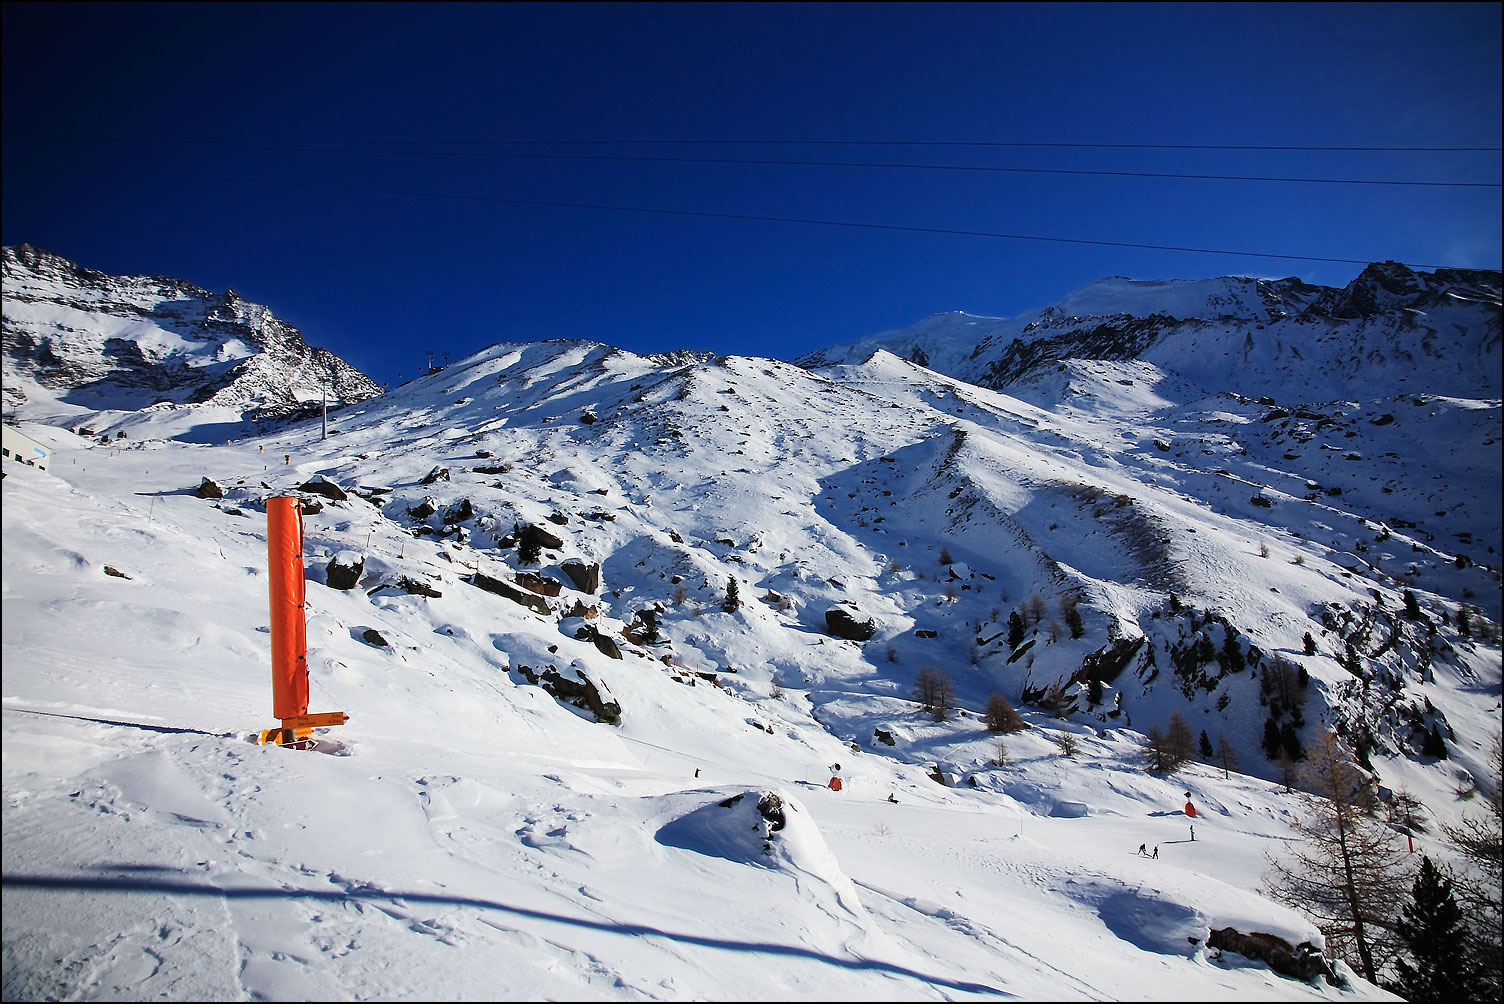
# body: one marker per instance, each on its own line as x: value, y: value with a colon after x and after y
x: 357, y: 167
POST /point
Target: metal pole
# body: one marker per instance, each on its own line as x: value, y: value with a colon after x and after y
x: 326, y: 412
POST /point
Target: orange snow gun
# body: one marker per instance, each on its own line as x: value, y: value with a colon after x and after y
x: 1190, y: 810
x: 289, y: 628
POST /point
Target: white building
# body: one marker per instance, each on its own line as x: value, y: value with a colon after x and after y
x: 16, y: 445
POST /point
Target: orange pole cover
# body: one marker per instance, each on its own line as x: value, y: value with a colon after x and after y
x: 284, y: 546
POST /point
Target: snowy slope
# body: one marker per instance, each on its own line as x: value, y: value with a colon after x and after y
x: 591, y: 860
x: 482, y: 840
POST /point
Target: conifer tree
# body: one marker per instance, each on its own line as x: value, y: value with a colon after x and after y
x: 1182, y: 739
x: 733, y: 599
x: 1227, y: 757
x: 1272, y: 745
x: 1431, y: 929
x: 1016, y: 629
x: 1170, y: 750
x: 1347, y: 869
x: 1480, y: 884
x: 1002, y: 716
x: 934, y: 693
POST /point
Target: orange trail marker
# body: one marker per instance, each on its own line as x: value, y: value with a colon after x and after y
x: 284, y: 545
x: 289, y: 627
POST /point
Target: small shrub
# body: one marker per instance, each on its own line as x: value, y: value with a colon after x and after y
x: 1000, y: 754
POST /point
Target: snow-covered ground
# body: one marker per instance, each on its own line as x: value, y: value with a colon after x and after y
x: 468, y: 836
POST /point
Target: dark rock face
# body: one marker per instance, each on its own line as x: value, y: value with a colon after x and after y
x: 883, y: 736
x: 605, y: 644
x: 323, y: 486
x: 459, y: 512
x: 840, y: 622
x: 540, y: 584
x: 574, y: 686
x: 208, y: 489
x: 373, y: 637
x: 512, y: 593
x: 586, y: 578
x: 770, y: 807
x: 414, y: 587
x: 423, y: 509
x: 344, y: 570
x: 540, y: 536
x: 1107, y: 662
x: 437, y: 474
x: 1303, y: 961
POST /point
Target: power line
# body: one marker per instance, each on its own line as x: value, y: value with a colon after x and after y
x: 979, y: 144
x: 339, y: 147
x: 985, y: 169
x: 750, y: 218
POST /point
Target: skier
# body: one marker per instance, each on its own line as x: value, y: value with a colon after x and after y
x: 1141, y: 851
x: 1193, y: 834
x: 892, y: 799
x: 1156, y: 851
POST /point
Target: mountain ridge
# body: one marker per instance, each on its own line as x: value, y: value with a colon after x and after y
x: 154, y: 341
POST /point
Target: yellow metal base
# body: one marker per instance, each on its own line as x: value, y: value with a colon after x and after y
x: 297, y: 733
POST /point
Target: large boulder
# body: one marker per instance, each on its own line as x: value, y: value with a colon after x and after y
x: 344, y: 570
x: 208, y: 489
x: 320, y: 485
x: 423, y: 509
x: 1303, y: 961
x: 540, y: 584
x: 840, y: 622
x: 574, y: 686
x: 459, y: 512
x: 533, y: 534
x: 603, y: 643
x: 500, y: 588
x: 417, y: 587
x: 586, y: 577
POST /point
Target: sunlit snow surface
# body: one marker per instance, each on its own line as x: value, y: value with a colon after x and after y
x: 474, y: 838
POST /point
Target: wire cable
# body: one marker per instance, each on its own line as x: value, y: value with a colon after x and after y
x: 977, y: 144
x: 464, y: 149
x: 753, y: 218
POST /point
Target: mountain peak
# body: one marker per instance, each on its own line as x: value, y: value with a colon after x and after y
x: 78, y: 341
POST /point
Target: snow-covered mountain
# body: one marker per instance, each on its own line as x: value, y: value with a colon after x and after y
x: 98, y: 349
x: 556, y: 758
x: 1386, y: 332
